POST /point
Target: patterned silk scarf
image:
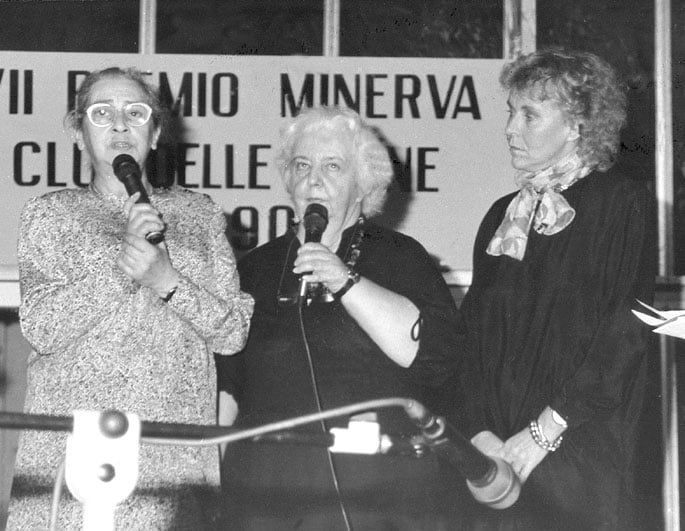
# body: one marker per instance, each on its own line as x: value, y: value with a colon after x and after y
x: 539, y: 204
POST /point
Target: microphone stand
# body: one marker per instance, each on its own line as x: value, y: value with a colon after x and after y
x: 102, y: 449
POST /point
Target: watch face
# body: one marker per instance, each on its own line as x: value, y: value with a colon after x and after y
x: 170, y: 294
x: 559, y: 419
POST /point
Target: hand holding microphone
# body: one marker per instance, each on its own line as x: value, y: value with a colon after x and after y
x: 315, y: 222
x: 491, y: 480
x: 128, y: 172
x: 148, y: 265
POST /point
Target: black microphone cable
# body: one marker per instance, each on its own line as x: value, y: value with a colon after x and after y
x: 315, y: 221
x: 322, y: 421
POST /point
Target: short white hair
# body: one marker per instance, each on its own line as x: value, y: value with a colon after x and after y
x: 373, y: 168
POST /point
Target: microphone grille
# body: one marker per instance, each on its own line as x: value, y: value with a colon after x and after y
x: 315, y: 222
x: 124, y: 165
x: 315, y: 209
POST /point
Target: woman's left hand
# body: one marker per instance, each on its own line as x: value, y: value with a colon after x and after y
x: 319, y: 264
x: 522, y: 453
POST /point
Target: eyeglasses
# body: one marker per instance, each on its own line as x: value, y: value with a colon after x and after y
x: 134, y: 114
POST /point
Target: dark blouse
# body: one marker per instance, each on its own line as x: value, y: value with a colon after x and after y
x: 274, y: 487
x: 556, y: 329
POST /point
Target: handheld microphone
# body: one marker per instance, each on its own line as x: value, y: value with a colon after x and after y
x: 128, y: 172
x: 315, y: 223
x: 490, y: 479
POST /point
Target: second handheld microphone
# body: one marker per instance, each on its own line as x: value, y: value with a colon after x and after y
x: 315, y: 223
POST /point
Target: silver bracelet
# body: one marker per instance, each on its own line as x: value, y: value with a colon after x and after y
x: 541, y: 440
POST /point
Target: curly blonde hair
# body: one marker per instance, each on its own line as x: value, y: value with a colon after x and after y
x: 588, y: 90
x: 374, y: 171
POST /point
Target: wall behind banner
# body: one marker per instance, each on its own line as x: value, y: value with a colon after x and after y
x: 443, y: 120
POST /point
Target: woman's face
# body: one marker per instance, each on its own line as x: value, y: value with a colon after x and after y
x: 105, y: 143
x: 538, y: 132
x: 322, y: 170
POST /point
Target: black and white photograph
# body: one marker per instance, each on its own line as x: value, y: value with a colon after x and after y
x: 342, y: 265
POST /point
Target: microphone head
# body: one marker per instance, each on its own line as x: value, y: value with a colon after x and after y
x: 500, y: 490
x: 128, y: 172
x: 125, y: 166
x: 315, y: 222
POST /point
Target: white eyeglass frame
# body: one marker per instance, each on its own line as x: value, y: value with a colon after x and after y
x: 93, y: 106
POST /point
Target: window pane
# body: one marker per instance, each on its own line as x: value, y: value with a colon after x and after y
x: 430, y: 28
x: 252, y: 27
x: 70, y: 26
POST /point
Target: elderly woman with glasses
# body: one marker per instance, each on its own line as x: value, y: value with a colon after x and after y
x: 118, y: 320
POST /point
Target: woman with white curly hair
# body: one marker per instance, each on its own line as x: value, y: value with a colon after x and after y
x: 376, y: 321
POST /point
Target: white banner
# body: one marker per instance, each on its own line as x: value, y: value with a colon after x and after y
x: 443, y: 118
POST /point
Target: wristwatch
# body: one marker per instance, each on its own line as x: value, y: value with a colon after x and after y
x: 169, y: 294
x: 558, y: 419
x: 352, y: 278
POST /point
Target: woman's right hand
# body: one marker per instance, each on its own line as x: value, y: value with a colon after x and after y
x: 143, y: 218
x: 319, y: 264
x: 488, y: 443
x: 140, y: 260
